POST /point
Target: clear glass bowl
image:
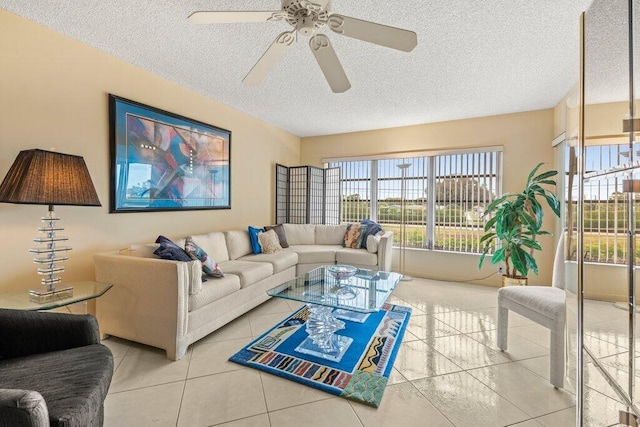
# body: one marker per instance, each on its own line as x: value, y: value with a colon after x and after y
x: 343, y: 273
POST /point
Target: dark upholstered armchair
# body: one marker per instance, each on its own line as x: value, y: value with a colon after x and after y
x: 53, y: 369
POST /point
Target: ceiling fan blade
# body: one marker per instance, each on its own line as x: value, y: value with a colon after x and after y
x: 329, y: 63
x: 383, y: 35
x: 270, y: 58
x: 226, y: 17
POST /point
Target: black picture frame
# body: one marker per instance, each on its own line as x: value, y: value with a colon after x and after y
x: 162, y: 161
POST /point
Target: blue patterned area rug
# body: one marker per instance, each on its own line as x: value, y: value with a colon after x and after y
x: 364, y: 370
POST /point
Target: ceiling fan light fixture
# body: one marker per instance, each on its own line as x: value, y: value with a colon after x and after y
x: 306, y: 25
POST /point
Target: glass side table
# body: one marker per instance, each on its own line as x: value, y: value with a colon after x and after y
x: 82, y: 291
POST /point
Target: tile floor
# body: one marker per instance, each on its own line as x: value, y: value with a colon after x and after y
x: 448, y: 372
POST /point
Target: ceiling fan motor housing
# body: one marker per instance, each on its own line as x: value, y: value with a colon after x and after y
x: 306, y: 15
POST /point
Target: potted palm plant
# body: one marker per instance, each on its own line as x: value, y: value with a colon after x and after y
x: 515, y: 222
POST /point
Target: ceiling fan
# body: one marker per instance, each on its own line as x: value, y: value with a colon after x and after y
x: 306, y: 16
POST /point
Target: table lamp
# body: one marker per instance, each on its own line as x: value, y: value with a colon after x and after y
x: 39, y: 177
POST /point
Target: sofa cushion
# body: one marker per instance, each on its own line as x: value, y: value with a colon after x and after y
x: 356, y: 256
x: 282, y: 236
x: 213, y: 290
x: 373, y: 242
x: 195, y: 277
x: 300, y: 234
x: 315, y: 253
x: 249, y: 272
x: 238, y: 243
x: 73, y: 382
x: 330, y: 234
x: 280, y: 260
x: 214, y: 244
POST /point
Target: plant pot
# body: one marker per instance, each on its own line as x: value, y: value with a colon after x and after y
x: 514, y: 281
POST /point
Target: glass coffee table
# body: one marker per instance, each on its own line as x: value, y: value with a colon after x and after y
x: 369, y: 290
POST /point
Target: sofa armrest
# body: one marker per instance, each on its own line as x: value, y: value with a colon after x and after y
x: 385, y: 247
x: 148, y: 302
x: 32, y: 332
x: 23, y: 408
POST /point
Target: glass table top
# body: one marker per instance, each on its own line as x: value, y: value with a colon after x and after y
x: 320, y: 287
x: 82, y: 291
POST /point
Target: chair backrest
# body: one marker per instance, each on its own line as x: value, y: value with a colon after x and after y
x: 558, y: 279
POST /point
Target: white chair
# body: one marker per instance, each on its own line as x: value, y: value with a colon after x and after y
x: 544, y: 305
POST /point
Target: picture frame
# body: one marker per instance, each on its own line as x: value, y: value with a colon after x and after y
x: 162, y: 161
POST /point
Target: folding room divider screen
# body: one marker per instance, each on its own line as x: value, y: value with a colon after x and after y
x: 307, y: 195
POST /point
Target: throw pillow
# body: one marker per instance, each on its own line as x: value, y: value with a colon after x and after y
x: 279, y: 229
x: 253, y: 237
x: 373, y: 228
x: 209, y: 265
x: 269, y: 242
x: 171, y: 251
x: 353, y: 235
x: 373, y: 242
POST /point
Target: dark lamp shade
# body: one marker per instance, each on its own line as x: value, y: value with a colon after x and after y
x: 39, y: 177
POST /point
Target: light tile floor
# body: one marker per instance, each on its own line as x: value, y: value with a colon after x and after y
x: 448, y: 372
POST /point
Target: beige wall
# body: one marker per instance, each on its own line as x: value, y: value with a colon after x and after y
x: 53, y: 94
x: 526, y: 138
x: 603, y: 122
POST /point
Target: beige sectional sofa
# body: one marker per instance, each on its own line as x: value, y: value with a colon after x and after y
x: 165, y: 304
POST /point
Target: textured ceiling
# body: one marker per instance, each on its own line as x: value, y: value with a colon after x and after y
x: 474, y: 57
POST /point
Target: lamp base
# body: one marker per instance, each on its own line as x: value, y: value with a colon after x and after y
x: 44, y: 296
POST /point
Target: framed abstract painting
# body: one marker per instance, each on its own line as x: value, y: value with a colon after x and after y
x: 165, y: 162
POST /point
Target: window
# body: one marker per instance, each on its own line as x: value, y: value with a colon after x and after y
x: 445, y: 195
x: 355, y: 186
x: 606, y: 206
x: 390, y: 199
x: 465, y: 184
